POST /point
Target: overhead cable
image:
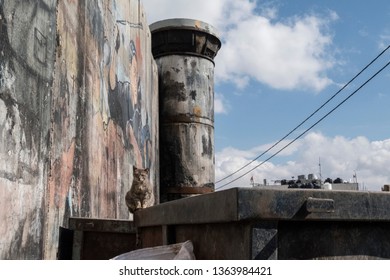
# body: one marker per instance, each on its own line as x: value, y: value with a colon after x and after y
x: 300, y: 135
x: 305, y: 120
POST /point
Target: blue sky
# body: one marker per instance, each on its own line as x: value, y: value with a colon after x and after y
x: 280, y: 61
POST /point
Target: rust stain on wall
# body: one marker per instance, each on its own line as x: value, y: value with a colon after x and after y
x: 78, y: 108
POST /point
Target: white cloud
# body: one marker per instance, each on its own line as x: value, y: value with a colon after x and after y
x: 208, y: 11
x: 221, y: 105
x: 340, y: 157
x: 281, y: 53
x: 287, y: 55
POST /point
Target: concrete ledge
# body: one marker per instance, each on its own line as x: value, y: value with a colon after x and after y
x: 207, y: 208
x: 242, y: 204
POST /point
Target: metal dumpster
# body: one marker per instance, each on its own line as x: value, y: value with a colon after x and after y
x: 96, y: 239
x: 246, y: 223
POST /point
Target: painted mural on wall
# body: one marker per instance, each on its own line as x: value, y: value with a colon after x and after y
x: 27, y: 30
x: 91, y: 116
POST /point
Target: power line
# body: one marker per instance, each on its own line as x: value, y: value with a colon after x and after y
x: 300, y: 135
x: 304, y: 121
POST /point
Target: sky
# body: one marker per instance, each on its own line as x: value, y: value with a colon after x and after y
x: 279, y: 62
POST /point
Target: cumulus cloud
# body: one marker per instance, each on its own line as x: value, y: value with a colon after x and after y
x: 281, y: 55
x: 340, y: 157
x: 208, y: 11
x: 221, y: 105
x: 257, y: 45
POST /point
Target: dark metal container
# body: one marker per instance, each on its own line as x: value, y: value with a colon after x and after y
x: 254, y: 223
x: 184, y: 50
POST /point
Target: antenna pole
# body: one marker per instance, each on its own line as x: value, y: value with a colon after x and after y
x: 319, y: 166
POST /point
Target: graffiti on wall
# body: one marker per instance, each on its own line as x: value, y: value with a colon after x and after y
x: 78, y: 109
x: 106, y: 98
x: 26, y: 64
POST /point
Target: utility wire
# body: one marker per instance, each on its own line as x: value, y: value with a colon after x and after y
x: 304, y: 121
x: 300, y: 135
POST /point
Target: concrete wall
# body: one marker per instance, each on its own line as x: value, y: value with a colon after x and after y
x: 78, y: 108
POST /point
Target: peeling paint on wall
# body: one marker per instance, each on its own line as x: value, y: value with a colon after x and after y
x: 26, y: 65
x: 78, y: 108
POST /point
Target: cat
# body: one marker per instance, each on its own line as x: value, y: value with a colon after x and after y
x: 140, y: 194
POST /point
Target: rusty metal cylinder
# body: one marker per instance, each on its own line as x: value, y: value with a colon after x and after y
x: 184, y: 50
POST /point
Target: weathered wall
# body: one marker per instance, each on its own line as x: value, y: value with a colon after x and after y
x: 78, y: 108
x: 27, y: 36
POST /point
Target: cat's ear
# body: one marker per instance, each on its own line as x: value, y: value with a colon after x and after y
x: 134, y: 168
x: 147, y: 170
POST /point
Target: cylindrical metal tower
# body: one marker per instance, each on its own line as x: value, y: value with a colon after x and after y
x: 184, y: 50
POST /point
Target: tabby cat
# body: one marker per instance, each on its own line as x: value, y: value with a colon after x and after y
x: 140, y: 194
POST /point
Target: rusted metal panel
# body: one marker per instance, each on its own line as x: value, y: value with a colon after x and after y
x: 184, y: 50
x: 264, y: 240
x: 293, y: 205
x: 247, y: 204
x: 102, y: 225
x: 99, y: 239
x: 333, y: 240
x: 151, y: 237
x: 231, y: 241
x: 78, y: 108
x: 187, y: 121
x: 319, y: 205
x: 247, y: 223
